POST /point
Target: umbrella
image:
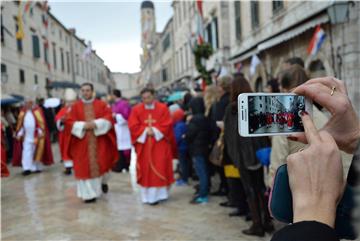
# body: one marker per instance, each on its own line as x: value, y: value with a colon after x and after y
x: 52, y: 102
x: 8, y: 100
x: 178, y: 95
x: 63, y: 85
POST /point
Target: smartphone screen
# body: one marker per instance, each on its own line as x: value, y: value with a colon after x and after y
x: 275, y: 114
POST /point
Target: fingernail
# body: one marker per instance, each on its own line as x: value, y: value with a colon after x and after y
x: 304, y: 112
x: 292, y: 138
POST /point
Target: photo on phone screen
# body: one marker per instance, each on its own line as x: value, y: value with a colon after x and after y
x: 275, y: 114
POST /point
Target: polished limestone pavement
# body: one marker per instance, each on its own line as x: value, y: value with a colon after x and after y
x: 45, y: 207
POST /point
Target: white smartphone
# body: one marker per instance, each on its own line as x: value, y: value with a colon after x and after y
x: 264, y: 114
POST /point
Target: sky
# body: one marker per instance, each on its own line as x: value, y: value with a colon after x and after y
x: 113, y: 27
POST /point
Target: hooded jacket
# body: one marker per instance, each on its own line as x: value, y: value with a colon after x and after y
x: 199, y: 135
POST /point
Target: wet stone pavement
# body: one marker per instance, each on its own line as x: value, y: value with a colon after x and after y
x: 45, y: 207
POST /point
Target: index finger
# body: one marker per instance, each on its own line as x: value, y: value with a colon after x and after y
x: 311, y: 132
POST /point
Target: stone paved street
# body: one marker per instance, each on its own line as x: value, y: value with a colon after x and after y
x: 45, y: 207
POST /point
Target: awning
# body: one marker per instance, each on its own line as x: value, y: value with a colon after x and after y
x: 292, y: 32
x: 63, y: 85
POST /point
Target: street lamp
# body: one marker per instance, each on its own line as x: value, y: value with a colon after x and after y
x: 338, y: 11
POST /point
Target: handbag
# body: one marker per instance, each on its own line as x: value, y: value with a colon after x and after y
x: 217, y: 153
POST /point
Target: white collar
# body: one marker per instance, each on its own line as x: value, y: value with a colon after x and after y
x: 87, y: 101
x: 150, y: 107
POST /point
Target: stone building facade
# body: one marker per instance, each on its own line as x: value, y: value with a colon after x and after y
x: 286, y: 32
x: 47, y: 52
x: 272, y: 30
x: 129, y: 83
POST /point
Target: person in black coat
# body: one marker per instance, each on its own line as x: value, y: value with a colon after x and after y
x: 242, y: 152
x: 198, y: 137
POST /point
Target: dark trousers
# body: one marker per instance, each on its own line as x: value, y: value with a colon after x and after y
x: 184, y: 166
x: 237, y: 194
x: 122, y: 163
x: 201, y: 170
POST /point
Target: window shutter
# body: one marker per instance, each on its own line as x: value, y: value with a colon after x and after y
x: 36, y: 46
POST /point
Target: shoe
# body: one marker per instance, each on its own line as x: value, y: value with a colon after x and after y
x: 104, y: 188
x: 218, y: 193
x: 255, y: 230
x: 26, y: 173
x: 181, y: 183
x: 199, y: 200
x: 154, y: 203
x: 268, y: 227
x: 37, y: 171
x: 67, y: 171
x: 90, y: 200
x: 237, y: 213
x: 227, y: 205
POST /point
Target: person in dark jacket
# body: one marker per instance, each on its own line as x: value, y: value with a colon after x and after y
x: 198, y: 137
x: 242, y: 152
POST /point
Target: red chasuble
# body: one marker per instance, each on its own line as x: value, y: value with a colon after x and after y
x: 92, y: 155
x: 43, y: 144
x: 154, y: 158
x: 4, y: 169
x: 65, y: 134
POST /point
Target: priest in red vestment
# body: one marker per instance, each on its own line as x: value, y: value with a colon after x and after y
x: 65, y: 134
x: 151, y: 131
x: 32, y: 147
x: 92, y: 145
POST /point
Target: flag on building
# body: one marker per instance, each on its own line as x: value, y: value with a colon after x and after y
x: 255, y: 61
x: 199, y: 22
x: 20, y: 26
x: 316, y: 41
x: 87, y: 52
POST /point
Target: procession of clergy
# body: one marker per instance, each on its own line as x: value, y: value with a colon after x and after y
x: 96, y: 138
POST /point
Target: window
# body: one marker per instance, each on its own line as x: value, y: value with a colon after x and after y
x: 237, y: 19
x: 214, y: 30
x: 3, y: 68
x: 62, y: 60
x: 36, y: 46
x: 164, y: 75
x: 77, y: 64
x: 46, y: 52
x: 277, y: 6
x: 254, y: 14
x: 166, y: 42
x: 60, y: 34
x: 54, y: 55
x: 211, y: 34
x: 68, y: 61
x: 22, y: 76
x: 19, y: 44
x: 36, y: 79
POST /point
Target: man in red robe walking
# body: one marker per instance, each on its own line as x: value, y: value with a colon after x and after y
x: 151, y: 134
x: 92, y: 145
x: 65, y: 134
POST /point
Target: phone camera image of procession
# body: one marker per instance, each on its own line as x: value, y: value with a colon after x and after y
x: 275, y: 114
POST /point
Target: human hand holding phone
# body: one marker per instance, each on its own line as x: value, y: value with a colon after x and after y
x: 343, y: 125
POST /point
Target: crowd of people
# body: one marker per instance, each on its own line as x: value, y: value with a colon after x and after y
x: 200, y: 131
